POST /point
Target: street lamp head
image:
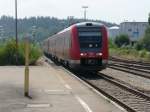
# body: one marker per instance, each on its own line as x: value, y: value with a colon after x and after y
x: 85, y: 7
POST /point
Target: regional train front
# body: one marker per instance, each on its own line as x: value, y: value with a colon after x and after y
x: 93, y: 46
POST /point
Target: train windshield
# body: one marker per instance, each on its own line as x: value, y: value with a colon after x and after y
x: 90, y: 39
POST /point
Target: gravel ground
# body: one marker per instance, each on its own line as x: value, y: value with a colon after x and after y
x: 136, y: 81
x: 41, y: 62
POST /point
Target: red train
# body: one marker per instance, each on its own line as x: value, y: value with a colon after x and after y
x: 82, y: 46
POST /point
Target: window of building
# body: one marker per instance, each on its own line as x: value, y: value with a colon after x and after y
x: 130, y: 30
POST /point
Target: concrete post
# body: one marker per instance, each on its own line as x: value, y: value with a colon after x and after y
x: 26, y: 79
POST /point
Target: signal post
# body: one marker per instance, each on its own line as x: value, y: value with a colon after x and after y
x: 26, y: 79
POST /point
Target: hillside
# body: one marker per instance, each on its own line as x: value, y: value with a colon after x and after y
x: 38, y: 27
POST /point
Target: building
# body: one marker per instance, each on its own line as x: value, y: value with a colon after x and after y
x: 135, y: 30
x: 113, y: 31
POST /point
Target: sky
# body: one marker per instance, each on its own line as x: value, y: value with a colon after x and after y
x: 115, y: 11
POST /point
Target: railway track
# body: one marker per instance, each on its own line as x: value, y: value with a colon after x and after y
x: 129, y: 67
x: 142, y: 67
x: 129, y: 98
x: 129, y: 61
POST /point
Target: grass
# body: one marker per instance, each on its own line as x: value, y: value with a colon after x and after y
x: 130, y: 53
x: 8, y: 53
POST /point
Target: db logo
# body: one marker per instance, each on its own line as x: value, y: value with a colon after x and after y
x: 91, y: 54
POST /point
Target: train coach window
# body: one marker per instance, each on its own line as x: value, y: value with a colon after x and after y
x: 90, y: 34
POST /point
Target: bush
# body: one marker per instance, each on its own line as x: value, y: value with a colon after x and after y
x: 112, y: 44
x: 144, y: 43
x: 9, y: 52
x: 146, y: 39
x: 148, y: 55
x: 122, y: 40
x: 35, y: 53
x: 138, y: 46
x: 143, y: 53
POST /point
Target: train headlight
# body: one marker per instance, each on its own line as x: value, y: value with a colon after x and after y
x: 99, y: 54
x: 83, y: 54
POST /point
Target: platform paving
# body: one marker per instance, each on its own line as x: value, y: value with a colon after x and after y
x: 52, y: 90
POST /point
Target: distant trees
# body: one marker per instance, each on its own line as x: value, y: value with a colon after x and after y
x: 44, y: 26
x: 122, y: 40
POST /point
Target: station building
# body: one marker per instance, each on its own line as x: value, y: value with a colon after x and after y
x: 113, y: 31
x: 135, y: 30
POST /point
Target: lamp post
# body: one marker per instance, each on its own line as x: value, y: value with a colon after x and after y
x: 85, y: 9
x: 16, y: 31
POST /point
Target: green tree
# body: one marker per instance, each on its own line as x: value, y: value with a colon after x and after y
x: 138, y: 45
x: 111, y: 43
x: 45, y: 26
x: 122, y: 40
x: 145, y: 42
x: 8, y: 53
x: 146, y: 39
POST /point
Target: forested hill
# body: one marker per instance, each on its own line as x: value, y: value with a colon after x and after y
x: 39, y: 27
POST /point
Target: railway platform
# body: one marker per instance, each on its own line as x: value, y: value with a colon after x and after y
x: 52, y: 89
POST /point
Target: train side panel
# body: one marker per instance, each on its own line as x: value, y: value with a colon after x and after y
x: 75, y: 47
x: 59, y: 45
x: 105, y: 46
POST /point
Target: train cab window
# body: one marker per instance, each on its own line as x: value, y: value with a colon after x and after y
x: 90, y: 39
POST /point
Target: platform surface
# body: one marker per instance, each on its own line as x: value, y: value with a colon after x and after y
x: 52, y: 90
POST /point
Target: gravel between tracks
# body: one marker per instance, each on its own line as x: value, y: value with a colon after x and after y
x: 135, y: 102
x: 136, y: 81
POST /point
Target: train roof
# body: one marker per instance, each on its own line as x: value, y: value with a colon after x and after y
x: 82, y: 24
x: 85, y: 24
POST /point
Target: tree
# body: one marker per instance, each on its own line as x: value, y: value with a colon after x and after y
x: 122, y: 40
x: 145, y: 42
x: 146, y: 39
x: 111, y: 43
x: 45, y: 26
